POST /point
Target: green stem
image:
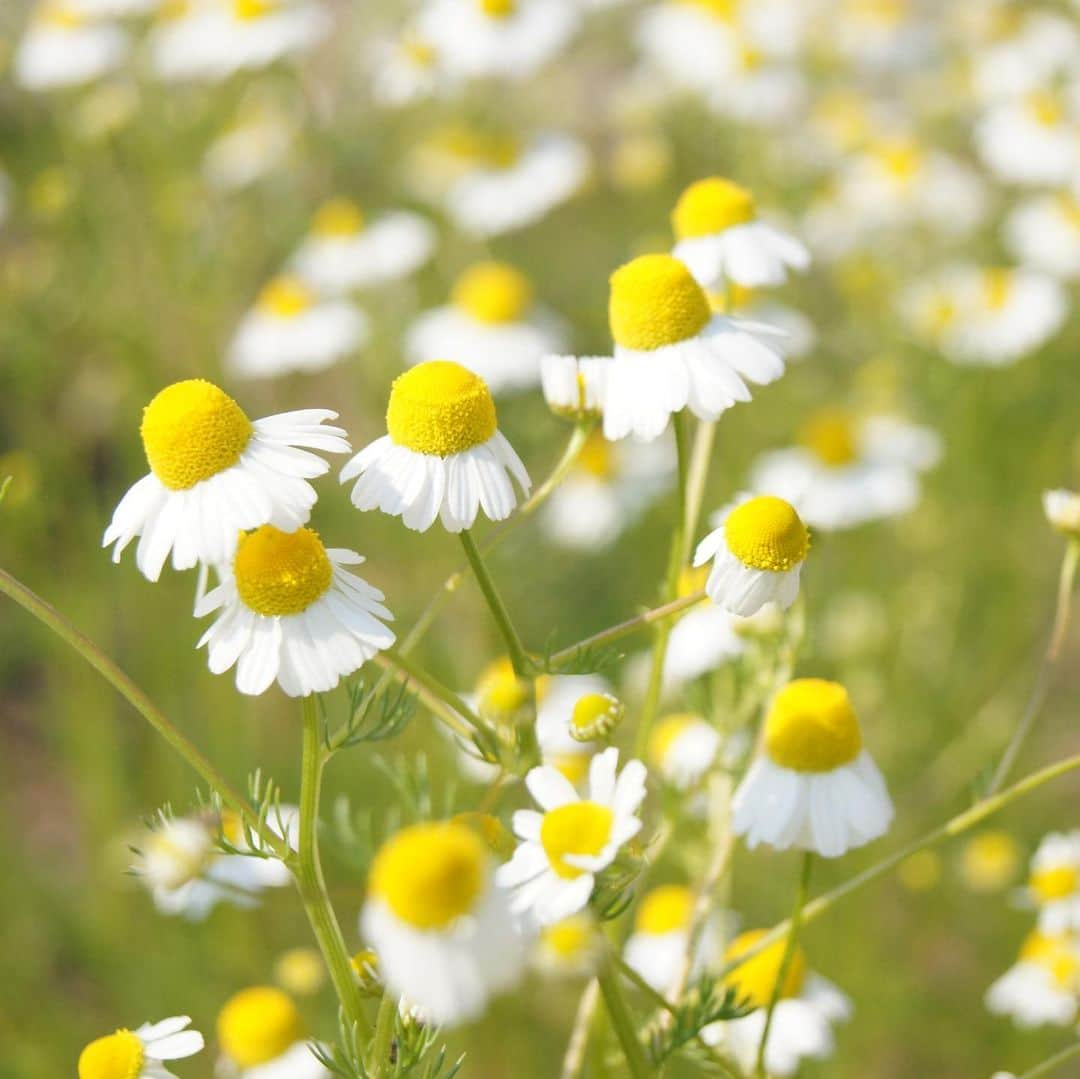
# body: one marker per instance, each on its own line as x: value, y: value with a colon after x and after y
x: 697, y: 474
x: 384, y: 1036
x: 518, y: 657
x: 1051, y: 1064
x: 309, y: 874
x: 622, y: 1021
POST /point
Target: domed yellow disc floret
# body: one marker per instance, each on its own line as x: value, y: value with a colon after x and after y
x: 666, y: 733
x: 191, y: 431
x: 812, y: 727
x: 285, y: 297
x: 498, y: 9
x: 337, y: 218
x: 257, y: 1025
x: 655, y: 302
x: 1048, y: 885
x: 281, y: 573
x: 493, y: 292
x: 665, y: 909
x: 757, y: 977
x: 577, y: 828
x: 595, y: 715
x: 830, y: 435
x: 766, y: 533
x: 569, y: 938
x: 116, y: 1056
x: 429, y: 875
x: 500, y: 694
x: 710, y: 206
x: 440, y: 408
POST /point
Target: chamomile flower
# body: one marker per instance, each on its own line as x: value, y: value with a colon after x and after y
x: 492, y: 325
x: 577, y: 709
x: 261, y: 1036
x: 571, y: 947
x: 720, y: 238
x: 443, y: 456
x: 691, y: 44
x: 1054, y: 883
x: 806, y: 1010
x: 1040, y: 49
x: 573, y: 386
x: 1062, y: 509
x: 757, y: 550
x: 682, y: 749
x: 758, y: 306
x: 1033, y: 139
x: 343, y: 251
x: 657, y: 947
x: 989, y: 862
x: 291, y: 329
x: 813, y: 786
x: 1044, y: 233
x: 443, y: 932
x: 702, y: 639
x: 140, y: 1053
x: 61, y: 48
x: 214, y: 473
x: 848, y: 471
x: 406, y: 69
x: 759, y: 90
x: 1042, y: 986
x: 291, y: 612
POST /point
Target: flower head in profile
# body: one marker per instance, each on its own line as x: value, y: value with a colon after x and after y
x: 140, y: 1053
x: 576, y: 713
x: 703, y: 638
x: 1062, y: 509
x: 443, y: 456
x: 1042, y: 987
x: 214, y: 474
x: 657, y: 947
x: 569, y: 948
x: 553, y: 871
x: 291, y: 611
x: 813, y: 786
x: 1054, y: 882
x: 443, y: 932
x: 682, y: 748
x: 262, y: 1036
x: 573, y: 386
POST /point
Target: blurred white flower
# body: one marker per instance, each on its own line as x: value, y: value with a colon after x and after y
x: 1044, y: 233
x: 1034, y: 139
x: 60, y: 48
x: 1041, y: 987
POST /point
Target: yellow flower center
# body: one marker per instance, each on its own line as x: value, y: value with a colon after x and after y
x: 941, y: 313
x: 691, y: 580
x: 440, y: 408
x: 665, y: 909
x: 429, y: 875
x: 734, y: 297
x: 498, y: 9
x: 655, y: 302
x: 596, y: 457
x: 578, y: 828
x: 495, y: 150
x: 500, y: 694
x: 116, y: 1056
x: 419, y: 52
x: 990, y: 861
x: 724, y: 10
x: 812, y: 726
x: 1056, y: 955
x: 191, y: 431
x: 997, y: 285
x: 300, y: 971
x: 756, y: 979
x: 493, y: 292
x: 766, y: 533
x: 337, y: 218
x: 569, y: 938
x: 830, y: 436
x: 901, y: 159
x: 710, y: 206
x: 285, y: 297
x: 257, y: 1025
x: 1046, y: 107
x: 281, y: 573
x: 251, y: 10
x: 667, y: 732
x: 1047, y: 885
x: 59, y: 16
x: 593, y: 712
x: 571, y: 766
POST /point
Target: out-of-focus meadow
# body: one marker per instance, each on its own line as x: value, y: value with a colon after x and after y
x: 127, y: 263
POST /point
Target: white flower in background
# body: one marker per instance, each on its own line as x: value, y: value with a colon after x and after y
x: 509, y: 39
x: 1062, y: 509
x: 754, y: 305
x: 291, y: 612
x: 112, y: 9
x: 1042, y: 986
x: 214, y: 473
x: 343, y: 251
x: 492, y: 326
x: 1054, y: 883
x: 553, y: 871
x: 290, y: 328
x: 692, y: 45
x: 682, y: 749
x: 406, y: 69
x: 1036, y: 52
x: 105, y: 109
x: 805, y: 1013
x: 570, y: 948
x: 253, y: 147
x: 443, y: 932
x: 990, y: 316
x: 1034, y: 139
x: 60, y: 48
x: 760, y: 92
x: 573, y: 386
x: 576, y: 710
x: 261, y: 1036
x: 757, y: 549
x: 658, y: 945
x: 1043, y: 232
x: 444, y: 456
x: 701, y: 639
x: 813, y: 786
x: 720, y: 238
x: 139, y: 1053
x: 848, y: 470
x: 880, y: 35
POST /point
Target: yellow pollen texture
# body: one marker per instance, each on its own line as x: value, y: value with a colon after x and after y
x: 812, y: 726
x: 285, y: 297
x: 766, y: 533
x: 337, y: 218
x: 710, y: 206
x: 667, y: 732
x: 191, y: 431
x: 655, y: 302
x: 830, y: 436
x: 281, y: 573
x: 578, y: 828
x: 117, y: 1056
x: 758, y: 976
x: 665, y: 909
x: 493, y: 292
x: 440, y: 408
x: 429, y: 875
x: 1048, y: 885
x: 257, y: 1025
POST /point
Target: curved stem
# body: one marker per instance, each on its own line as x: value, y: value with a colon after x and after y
x: 1051, y: 1064
x: 518, y: 657
x: 622, y: 1021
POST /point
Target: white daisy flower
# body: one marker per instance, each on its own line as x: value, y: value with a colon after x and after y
x: 139, y: 1054
x: 61, y: 48
x: 573, y: 706
x: 702, y: 639
x: 758, y: 306
x: 1062, y: 509
x: 691, y: 45
x: 261, y: 1036
x: 492, y: 325
x: 813, y: 786
x: 1042, y: 986
x: 343, y: 251
x: 1054, y: 883
x: 757, y: 549
x: 443, y: 932
x: 573, y: 386
x: 720, y: 238
x: 682, y: 748
x: 291, y: 329
x: 881, y: 35
x: 760, y: 92
x: 444, y: 456
x: 214, y: 474
x: 657, y: 947
x: 847, y: 472
x: 808, y: 1007
x: 291, y: 612
x: 406, y: 69
x: 1044, y: 233
x: 553, y: 871
x: 112, y: 9
x: 1039, y: 50
x: 570, y: 948
x: 249, y: 150
x: 1034, y: 139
